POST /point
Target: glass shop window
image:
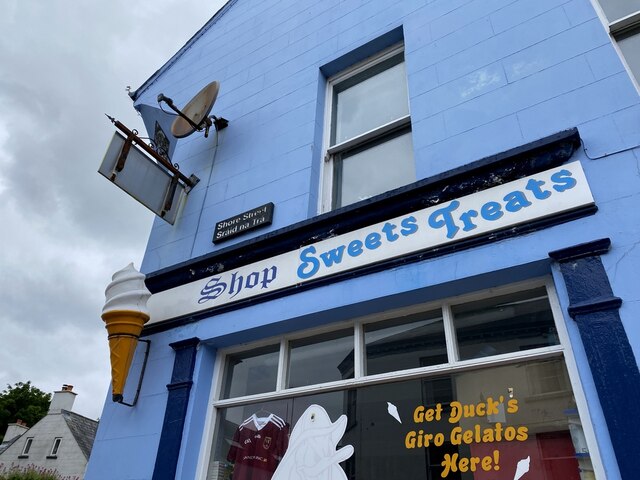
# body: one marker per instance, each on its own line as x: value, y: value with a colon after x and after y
x: 321, y: 359
x: 252, y: 372
x: 505, y: 324
x: 478, y: 425
x: 472, y: 388
x: 414, y: 341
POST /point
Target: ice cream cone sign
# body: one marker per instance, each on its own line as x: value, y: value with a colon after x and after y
x: 125, y: 313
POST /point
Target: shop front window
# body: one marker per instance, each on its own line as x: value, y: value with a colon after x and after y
x: 504, y: 324
x: 321, y: 359
x: 251, y: 372
x: 414, y: 341
x: 434, y: 412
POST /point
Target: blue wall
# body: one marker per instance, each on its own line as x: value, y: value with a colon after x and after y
x: 484, y: 76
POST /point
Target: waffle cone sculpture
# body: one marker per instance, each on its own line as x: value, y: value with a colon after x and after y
x: 124, y: 313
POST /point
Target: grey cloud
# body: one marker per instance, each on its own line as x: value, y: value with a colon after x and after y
x: 65, y: 229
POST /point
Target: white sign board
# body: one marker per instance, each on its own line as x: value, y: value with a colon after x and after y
x: 538, y: 196
x: 142, y: 178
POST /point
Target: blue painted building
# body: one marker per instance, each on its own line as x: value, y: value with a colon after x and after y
x: 445, y: 253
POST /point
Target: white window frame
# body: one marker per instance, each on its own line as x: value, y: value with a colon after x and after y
x: 55, y: 448
x: 615, y: 29
x: 454, y: 365
x: 27, y: 446
x: 330, y: 152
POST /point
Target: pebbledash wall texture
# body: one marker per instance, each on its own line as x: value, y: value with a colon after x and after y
x: 448, y: 285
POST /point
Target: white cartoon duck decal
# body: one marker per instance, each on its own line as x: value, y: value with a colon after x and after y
x: 312, y: 453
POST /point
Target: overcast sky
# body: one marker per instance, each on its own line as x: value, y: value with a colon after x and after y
x: 66, y: 229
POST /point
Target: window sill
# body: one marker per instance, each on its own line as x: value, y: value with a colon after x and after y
x: 52, y: 457
x: 23, y: 456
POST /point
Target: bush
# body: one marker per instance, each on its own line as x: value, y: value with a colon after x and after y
x: 30, y: 472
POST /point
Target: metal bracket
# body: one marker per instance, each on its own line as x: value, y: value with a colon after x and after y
x: 168, y: 198
x: 144, y: 367
x: 220, y: 122
x: 133, y: 137
x: 122, y: 158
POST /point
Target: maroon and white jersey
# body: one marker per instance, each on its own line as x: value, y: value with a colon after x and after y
x: 257, y: 447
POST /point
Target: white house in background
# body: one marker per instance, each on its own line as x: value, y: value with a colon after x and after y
x: 13, y: 433
x: 60, y: 441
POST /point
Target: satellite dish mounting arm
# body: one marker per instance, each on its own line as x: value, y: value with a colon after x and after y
x: 205, y: 120
x: 194, y: 116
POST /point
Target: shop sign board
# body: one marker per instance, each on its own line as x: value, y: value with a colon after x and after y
x: 542, y: 195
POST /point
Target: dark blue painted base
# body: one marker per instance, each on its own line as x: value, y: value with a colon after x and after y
x: 176, y: 412
x: 613, y: 365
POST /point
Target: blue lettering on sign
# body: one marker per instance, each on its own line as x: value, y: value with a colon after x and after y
x: 443, y: 217
x: 449, y: 218
x: 409, y: 226
x: 563, y: 181
x: 212, y: 290
x: 515, y: 201
x: 236, y: 283
x: 333, y: 256
x: 310, y: 264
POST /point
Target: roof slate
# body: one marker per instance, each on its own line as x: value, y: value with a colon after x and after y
x: 83, y: 430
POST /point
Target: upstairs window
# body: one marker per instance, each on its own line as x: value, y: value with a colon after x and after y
x: 27, y: 446
x: 55, y: 447
x: 369, y: 133
x: 624, y: 25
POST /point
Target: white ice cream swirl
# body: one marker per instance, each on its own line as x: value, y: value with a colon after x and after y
x: 127, y: 292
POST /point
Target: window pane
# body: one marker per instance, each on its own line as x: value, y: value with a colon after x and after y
x: 617, y: 9
x: 250, y: 440
x: 374, y: 170
x: 56, y: 446
x: 419, y: 429
x: 321, y: 359
x: 251, y: 372
x: 630, y: 47
x: 27, y: 445
x: 372, y: 102
x: 509, y: 323
x: 408, y: 342
x: 505, y: 413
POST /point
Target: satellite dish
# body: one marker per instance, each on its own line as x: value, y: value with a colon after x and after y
x: 195, y: 115
x: 197, y: 110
